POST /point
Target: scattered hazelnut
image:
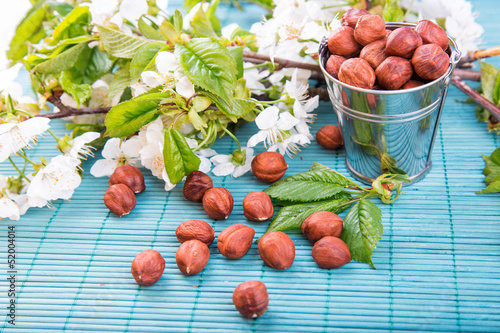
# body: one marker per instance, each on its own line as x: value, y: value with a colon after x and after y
x: 277, y: 250
x: 321, y: 224
x: 369, y: 28
x: 192, y: 256
x: 351, y: 16
x: 330, y: 137
x: 269, y: 166
x: 430, y: 61
x: 412, y: 84
x: 195, y: 229
x: 195, y: 186
x: 403, y: 42
x: 119, y: 199
x: 374, y: 53
x: 257, y: 206
x: 432, y: 33
x: 235, y: 241
x: 251, y: 299
x: 218, y: 203
x: 333, y: 65
x: 341, y: 42
x: 394, y: 72
x: 147, y: 267
x: 128, y: 175
x: 357, y: 72
x: 331, y: 252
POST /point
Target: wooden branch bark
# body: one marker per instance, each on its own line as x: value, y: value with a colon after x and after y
x: 477, y: 97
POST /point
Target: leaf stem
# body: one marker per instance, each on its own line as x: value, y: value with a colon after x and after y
x: 21, y: 173
x: 229, y: 133
x: 53, y: 135
x: 23, y: 155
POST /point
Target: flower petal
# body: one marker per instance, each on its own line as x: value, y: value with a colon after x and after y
x: 240, y: 170
x: 257, y: 138
x: 152, y: 79
x: 8, y: 209
x: 287, y: 121
x: 166, y: 62
x: 184, y: 87
x: 220, y: 159
x: 103, y: 168
x: 132, y: 10
x: 267, y: 118
x: 112, y: 149
x: 223, y: 169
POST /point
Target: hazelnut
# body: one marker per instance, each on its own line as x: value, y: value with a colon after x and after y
x: 251, y: 299
x: 331, y: 252
x: 147, y: 267
x: 128, y: 175
x: 119, y: 199
x: 269, y: 166
x: 192, y: 256
x: 431, y: 33
x: 235, y: 241
x: 257, y: 206
x: 394, y: 72
x: 195, y: 186
x: 321, y: 224
x: 195, y: 229
x: 412, y: 84
x: 218, y: 203
x: 351, y: 16
x: 369, y: 28
x: 333, y: 65
x: 387, y: 33
x: 277, y: 250
x: 357, y: 72
x: 374, y: 53
x: 403, y: 42
x: 430, y: 61
x: 330, y: 137
x: 341, y: 42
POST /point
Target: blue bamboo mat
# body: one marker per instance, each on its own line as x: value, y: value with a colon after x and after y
x: 438, y: 264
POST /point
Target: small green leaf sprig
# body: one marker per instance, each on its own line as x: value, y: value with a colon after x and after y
x: 492, y: 172
x: 323, y: 189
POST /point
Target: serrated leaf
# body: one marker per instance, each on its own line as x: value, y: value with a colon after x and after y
x: 61, y: 62
x: 29, y: 30
x: 120, y: 44
x: 168, y: 31
x: 121, y: 80
x: 363, y: 230
x: 148, y: 31
x: 179, y: 159
x: 209, y: 65
x: 494, y: 186
x: 143, y: 60
x: 214, y: 21
x: 98, y: 65
x: 201, y: 24
x: 492, y: 172
x: 489, y: 74
x: 291, y: 217
x: 80, y: 92
x: 241, y: 107
x: 73, y: 25
x: 237, y: 53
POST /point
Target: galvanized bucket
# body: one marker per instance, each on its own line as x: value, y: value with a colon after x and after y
x: 389, y: 131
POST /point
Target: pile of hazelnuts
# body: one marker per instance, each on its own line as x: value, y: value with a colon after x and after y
x: 366, y: 55
x: 125, y: 182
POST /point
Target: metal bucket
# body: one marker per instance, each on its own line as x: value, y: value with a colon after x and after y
x: 389, y: 131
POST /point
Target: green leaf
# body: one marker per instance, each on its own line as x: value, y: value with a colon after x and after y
x: 201, y: 24
x: 148, y: 31
x: 73, y: 25
x: 98, y: 65
x: 179, y: 159
x: 169, y: 32
x: 209, y: 65
x: 241, y: 107
x: 496, y: 92
x: 489, y: 74
x: 61, y: 62
x: 196, y: 120
x: 120, y: 44
x: 214, y: 21
x: 62, y: 8
x: 121, y: 80
x: 178, y: 20
x: 291, y: 217
x: 267, y: 4
x: 492, y: 172
x: 128, y: 117
x: 189, y: 4
x: 494, y: 186
x: 29, y: 30
x: 237, y: 53
x: 80, y: 92
x: 363, y: 230
x: 143, y: 60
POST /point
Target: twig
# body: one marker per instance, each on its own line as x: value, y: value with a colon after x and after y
x: 68, y: 111
x: 467, y: 74
x: 260, y: 58
x: 491, y: 52
x: 492, y: 108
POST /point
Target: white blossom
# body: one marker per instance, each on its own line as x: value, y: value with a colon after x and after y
x: 16, y: 136
x: 116, y: 154
x: 290, y: 145
x: 79, y: 148
x: 9, y: 209
x: 272, y: 124
x: 224, y: 164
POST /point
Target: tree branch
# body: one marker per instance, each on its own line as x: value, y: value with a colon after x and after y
x: 480, y: 54
x: 68, y: 111
x: 477, y: 97
x: 260, y: 58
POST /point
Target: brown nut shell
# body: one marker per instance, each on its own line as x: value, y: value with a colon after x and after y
x: 351, y: 16
x: 192, y: 256
x: 321, y: 224
x: 412, y: 84
x: 269, y: 166
x: 394, y: 72
x: 333, y: 65
x: 119, y: 199
x: 431, y: 33
x: 258, y: 207
x: 277, y: 250
x: 195, y: 186
x: 251, y: 299
x: 147, y: 267
x: 330, y: 137
x: 357, y: 72
x: 369, y: 28
x: 235, y: 241
x: 218, y: 203
x: 374, y: 53
x: 402, y: 42
x: 128, y: 175
x: 430, y: 61
x: 341, y: 42
x: 195, y: 229
x: 331, y: 252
